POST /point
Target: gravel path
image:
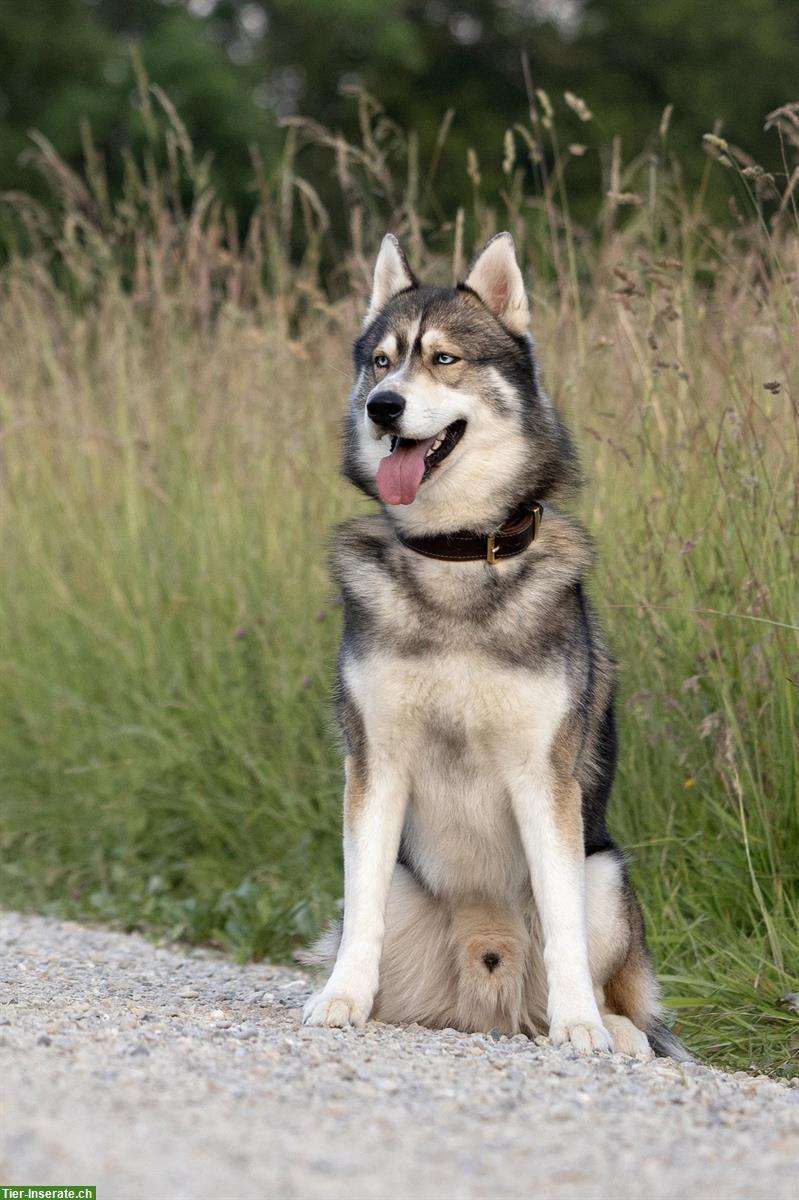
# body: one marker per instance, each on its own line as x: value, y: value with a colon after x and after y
x: 159, y: 1072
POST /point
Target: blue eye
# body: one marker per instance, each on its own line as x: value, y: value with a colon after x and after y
x: 444, y: 360
x: 381, y: 361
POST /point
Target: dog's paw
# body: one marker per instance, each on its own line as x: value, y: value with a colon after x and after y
x: 333, y: 1011
x: 586, y: 1037
x: 627, y: 1038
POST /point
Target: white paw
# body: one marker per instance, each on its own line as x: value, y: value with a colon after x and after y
x: 335, y: 1011
x: 587, y: 1037
x: 627, y: 1038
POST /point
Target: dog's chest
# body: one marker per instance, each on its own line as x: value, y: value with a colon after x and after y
x: 465, y: 697
x: 455, y: 731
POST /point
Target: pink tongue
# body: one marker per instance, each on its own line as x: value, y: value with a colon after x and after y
x: 400, y: 473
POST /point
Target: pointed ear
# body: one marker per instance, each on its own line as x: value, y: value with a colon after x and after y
x: 392, y: 275
x: 496, y: 278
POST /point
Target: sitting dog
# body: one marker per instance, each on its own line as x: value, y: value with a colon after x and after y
x: 475, y: 693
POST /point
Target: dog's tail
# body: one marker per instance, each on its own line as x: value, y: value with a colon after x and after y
x: 665, y: 1042
x: 322, y: 954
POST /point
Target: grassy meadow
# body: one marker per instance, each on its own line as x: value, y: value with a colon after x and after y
x: 171, y: 389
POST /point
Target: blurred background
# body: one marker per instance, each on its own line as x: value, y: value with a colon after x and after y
x: 235, y: 70
x: 191, y: 196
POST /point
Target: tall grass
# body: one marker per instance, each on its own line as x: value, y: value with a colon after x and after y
x: 170, y: 393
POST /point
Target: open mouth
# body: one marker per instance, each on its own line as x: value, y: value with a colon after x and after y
x: 409, y: 463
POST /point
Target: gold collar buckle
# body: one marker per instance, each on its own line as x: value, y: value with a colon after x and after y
x: 538, y: 513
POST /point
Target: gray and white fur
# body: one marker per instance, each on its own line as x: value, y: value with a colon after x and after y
x: 482, y: 889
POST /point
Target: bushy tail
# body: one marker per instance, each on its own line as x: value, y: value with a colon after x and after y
x: 322, y: 954
x: 666, y: 1044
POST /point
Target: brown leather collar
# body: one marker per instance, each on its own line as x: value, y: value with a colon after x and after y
x: 514, y: 536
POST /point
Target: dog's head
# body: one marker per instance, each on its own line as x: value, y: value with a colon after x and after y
x: 448, y: 424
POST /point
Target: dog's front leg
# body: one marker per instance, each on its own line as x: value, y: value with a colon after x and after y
x: 374, y: 811
x: 549, y: 814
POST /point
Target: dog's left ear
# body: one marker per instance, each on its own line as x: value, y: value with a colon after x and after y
x: 496, y: 278
x: 392, y: 275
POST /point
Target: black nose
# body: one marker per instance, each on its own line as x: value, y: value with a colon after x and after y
x: 491, y: 959
x: 385, y: 408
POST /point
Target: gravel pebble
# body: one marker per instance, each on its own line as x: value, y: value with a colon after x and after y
x: 151, y: 1070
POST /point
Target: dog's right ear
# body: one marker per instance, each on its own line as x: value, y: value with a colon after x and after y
x: 392, y: 275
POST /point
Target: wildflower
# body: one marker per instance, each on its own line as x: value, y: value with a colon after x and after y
x: 546, y: 108
x: 578, y: 106
x: 509, y: 147
x: 624, y: 197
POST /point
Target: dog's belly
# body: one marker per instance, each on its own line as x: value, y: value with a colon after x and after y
x: 452, y: 729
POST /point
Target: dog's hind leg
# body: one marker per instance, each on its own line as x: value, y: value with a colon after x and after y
x: 621, y: 967
x: 632, y: 992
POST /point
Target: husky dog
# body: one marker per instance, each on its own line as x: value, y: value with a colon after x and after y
x: 475, y: 693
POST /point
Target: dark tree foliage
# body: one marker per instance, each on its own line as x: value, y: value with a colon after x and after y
x: 234, y: 67
x: 65, y: 61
